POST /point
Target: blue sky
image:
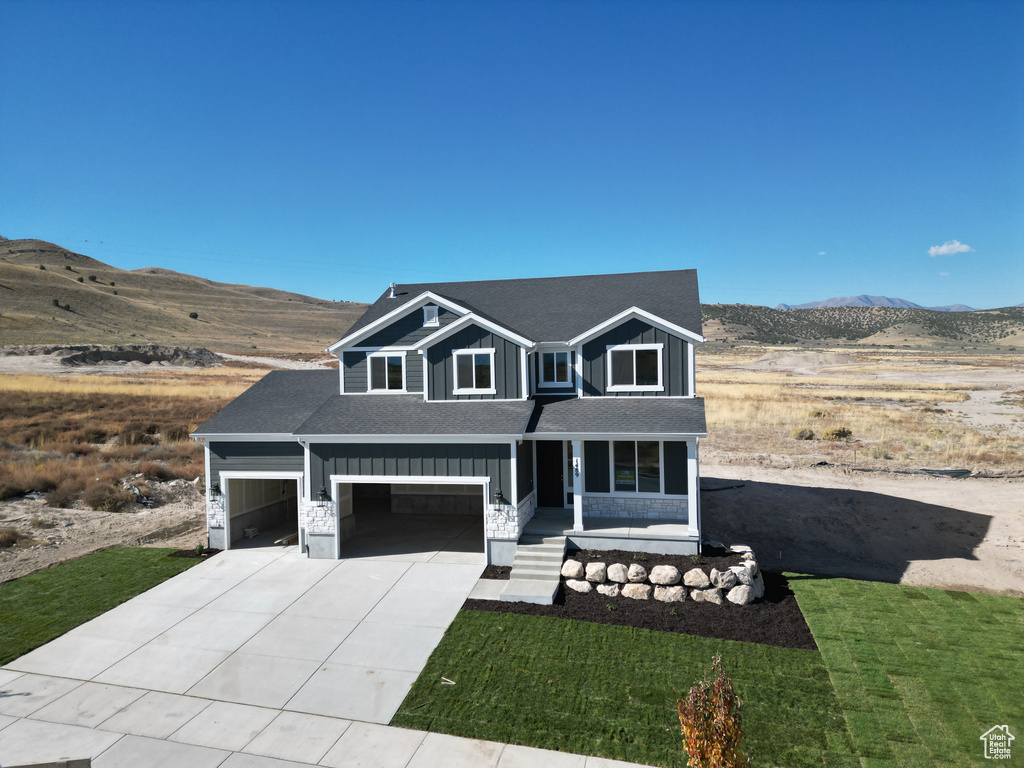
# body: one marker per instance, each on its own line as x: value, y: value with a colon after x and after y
x: 789, y: 151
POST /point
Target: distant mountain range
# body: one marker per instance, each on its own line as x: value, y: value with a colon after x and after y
x: 876, y: 301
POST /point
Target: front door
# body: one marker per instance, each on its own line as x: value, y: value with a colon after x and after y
x: 550, y: 474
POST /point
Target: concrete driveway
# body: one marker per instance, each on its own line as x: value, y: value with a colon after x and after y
x: 254, y: 657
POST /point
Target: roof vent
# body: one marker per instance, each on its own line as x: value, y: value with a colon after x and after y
x: 392, y: 294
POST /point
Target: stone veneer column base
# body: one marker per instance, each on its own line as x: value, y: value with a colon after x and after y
x: 656, y: 508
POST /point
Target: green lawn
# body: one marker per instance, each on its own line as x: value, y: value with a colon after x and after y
x: 904, y: 677
x: 35, y: 609
x: 920, y: 673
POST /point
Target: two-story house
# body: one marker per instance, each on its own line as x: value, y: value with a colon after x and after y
x: 490, y: 398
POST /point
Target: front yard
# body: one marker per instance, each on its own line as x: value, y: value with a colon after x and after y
x: 38, y: 608
x: 903, y: 677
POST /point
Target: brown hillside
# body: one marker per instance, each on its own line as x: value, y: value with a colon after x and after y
x: 153, y: 305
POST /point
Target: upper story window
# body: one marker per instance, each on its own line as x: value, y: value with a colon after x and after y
x: 474, y: 372
x: 555, y: 370
x: 430, y: 316
x: 387, y: 372
x: 635, y: 368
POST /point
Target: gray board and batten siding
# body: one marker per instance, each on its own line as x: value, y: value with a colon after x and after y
x: 255, y: 457
x: 408, y: 329
x: 493, y: 460
x: 355, y: 371
x: 674, y: 359
x: 508, y: 375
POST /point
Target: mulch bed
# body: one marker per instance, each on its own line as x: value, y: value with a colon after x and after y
x: 776, y: 619
x: 193, y: 554
x: 497, y: 572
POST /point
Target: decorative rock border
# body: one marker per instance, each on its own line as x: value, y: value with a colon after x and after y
x: 739, y: 584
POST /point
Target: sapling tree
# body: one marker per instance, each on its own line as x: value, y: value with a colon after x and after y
x: 710, y: 720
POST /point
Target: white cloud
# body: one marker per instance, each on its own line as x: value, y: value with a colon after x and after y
x: 821, y: 253
x: 949, y: 247
x: 944, y: 274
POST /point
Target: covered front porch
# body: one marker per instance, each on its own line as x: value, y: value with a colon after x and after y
x: 633, y: 534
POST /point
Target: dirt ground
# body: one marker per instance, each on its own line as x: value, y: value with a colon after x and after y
x: 926, y: 531
x: 64, y: 534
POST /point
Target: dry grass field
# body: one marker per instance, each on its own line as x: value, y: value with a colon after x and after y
x: 81, y: 437
x: 877, y: 410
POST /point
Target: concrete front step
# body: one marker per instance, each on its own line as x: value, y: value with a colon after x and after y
x: 536, y: 569
x: 530, y: 591
x: 540, y: 558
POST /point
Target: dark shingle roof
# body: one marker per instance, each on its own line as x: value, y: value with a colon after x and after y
x: 276, y: 404
x: 560, y: 308
x: 618, y: 415
x: 409, y: 415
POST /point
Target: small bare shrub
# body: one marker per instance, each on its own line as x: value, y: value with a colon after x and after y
x: 802, y: 434
x: 710, y: 720
x: 66, y: 493
x: 8, y: 537
x: 819, y: 414
x: 156, y: 470
x: 107, y: 497
x: 837, y: 433
x: 880, y: 452
x: 38, y: 522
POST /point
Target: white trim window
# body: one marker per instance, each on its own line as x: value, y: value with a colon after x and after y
x: 474, y: 372
x: 635, y: 368
x: 636, y: 466
x: 430, y: 318
x: 555, y: 369
x: 386, y: 371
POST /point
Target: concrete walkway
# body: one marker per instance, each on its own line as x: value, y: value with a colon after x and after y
x: 257, y: 657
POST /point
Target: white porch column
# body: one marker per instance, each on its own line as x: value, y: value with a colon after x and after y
x: 693, y: 488
x: 577, y: 485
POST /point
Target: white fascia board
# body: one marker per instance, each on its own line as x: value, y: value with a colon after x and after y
x: 410, y: 439
x: 275, y: 437
x: 424, y: 298
x: 629, y: 314
x: 472, y: 319
x: 615, y: 435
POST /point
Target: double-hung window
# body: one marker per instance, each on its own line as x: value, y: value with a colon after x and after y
x: 555, y: 370
x: 636, y: 466
x: 474, y: 372
x: 635, y: 368
x: 387, y: 372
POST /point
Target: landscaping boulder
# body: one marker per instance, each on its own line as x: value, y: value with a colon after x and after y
x: 751, y: 563
x: 740, y: 595
x: 695, y: 577
x: 670, y: 594
x: 596, y: 572
x: 637, y: 573
x: 608, y: 590
x: 637, y: 591
x: 713, y: 595
x: 758, y: 586
x: 666, y: 575
x: 579, y: 586
x: 723, y: 579
x: 617, y: 572
x: 572, y: 569
x: 741, y: 548
x: 743, y: 574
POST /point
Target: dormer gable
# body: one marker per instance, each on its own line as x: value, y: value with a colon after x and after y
x: 406, y: 325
